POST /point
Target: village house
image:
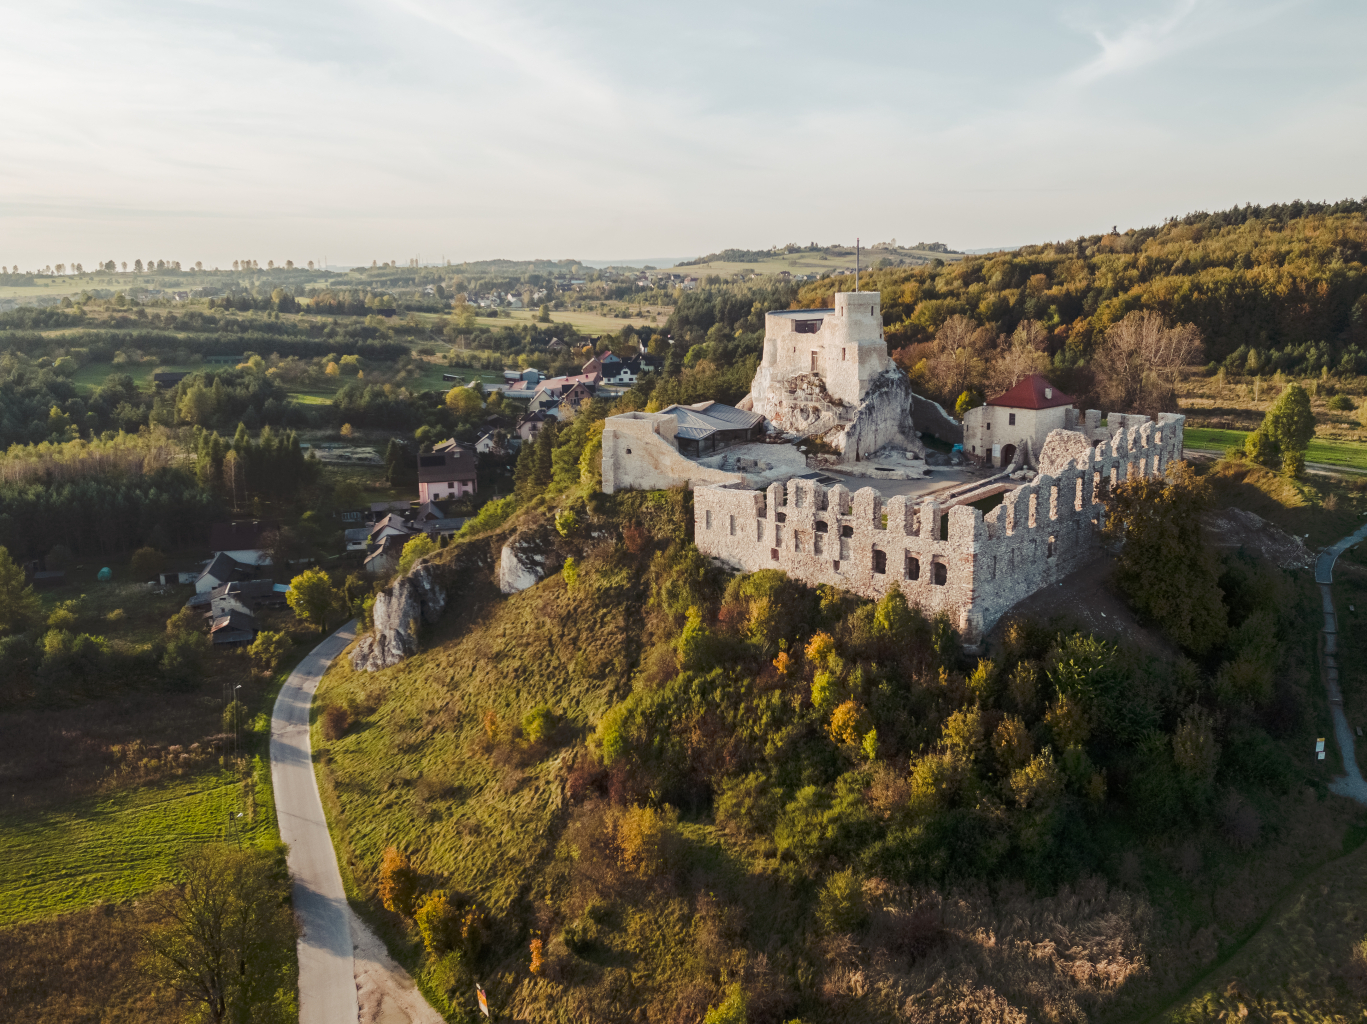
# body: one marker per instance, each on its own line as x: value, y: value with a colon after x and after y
x: 446, y: 473
x: 242, y: 541
x: 385, y: 558
x: 222, y: 568
x: 530, y: 425
x: 232, y: 628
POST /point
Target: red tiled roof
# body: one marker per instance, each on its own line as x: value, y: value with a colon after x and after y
x: 1032, y: 392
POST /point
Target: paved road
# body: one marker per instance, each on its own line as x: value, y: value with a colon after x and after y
x: 339, y: 957
x: 1351, y: 784
x: 1320, y: 468
x: 327, y: 983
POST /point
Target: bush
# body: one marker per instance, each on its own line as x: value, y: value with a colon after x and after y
x: 419, y: 547
x: 267, y: 650
x: 538, y: 723
x: 1340, y: 403
x: 235, y: 717
x: 733, y: 1009
x: 438, y: 921
x: 398, y: 882
x: 647, y: 840
x: 840, y: 906
x: 336, y: 721
x: 146, y: 564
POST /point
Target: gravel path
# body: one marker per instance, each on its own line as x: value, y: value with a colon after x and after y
x: 345, y: 974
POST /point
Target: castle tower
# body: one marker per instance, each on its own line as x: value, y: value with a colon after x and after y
x: 826, y: 372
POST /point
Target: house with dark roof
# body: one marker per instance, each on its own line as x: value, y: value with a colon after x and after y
x: 232, y: 628
x: 244, y: 541
x: 530, y: 425
x: 385, y: 558
x: 1017, y: 422
x: 247, y: 597
x: 222, y: 568
x: 448, y: 471
x: 708, y: 426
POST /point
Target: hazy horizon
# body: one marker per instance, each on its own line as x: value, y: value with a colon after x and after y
x: 397, y: 129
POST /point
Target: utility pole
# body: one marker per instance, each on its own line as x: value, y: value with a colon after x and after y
x: 856, y: 264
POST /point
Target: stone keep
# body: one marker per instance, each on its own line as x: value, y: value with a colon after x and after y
x: 826, y: 372
x: 954, y: 560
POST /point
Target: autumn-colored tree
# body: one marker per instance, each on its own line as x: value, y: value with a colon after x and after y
x: 398, y: 882
x: 1165, y: 568
x: 1138, y: 361
x: 267, y: 650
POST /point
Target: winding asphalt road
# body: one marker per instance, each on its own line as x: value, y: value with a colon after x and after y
x: 1351, y: 784
x: 345, y: 974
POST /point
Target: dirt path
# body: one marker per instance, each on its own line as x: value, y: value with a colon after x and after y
x: 345, y: 974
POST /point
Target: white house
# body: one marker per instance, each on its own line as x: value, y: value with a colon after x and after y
x: 1020, y: 417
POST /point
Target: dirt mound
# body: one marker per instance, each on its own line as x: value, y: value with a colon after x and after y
x: 1228, y: 529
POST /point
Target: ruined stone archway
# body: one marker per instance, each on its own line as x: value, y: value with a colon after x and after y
x: 1008, y: 454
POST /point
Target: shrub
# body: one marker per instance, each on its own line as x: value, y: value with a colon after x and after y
x: 538, y: 723
x: 570, y: 571
x: 335, y: 723
x: 235, y: 716
x: 733, y: 1009
x: 840, y: 906
x: 267, y: 650
x: 566, y: 522
x: 398, y: 882
x: 146, y: 563
x: 647, y: 840
x: 438, y: 921
x: 419, y: 547
x: 1340, y: 403
x: 63, y: 616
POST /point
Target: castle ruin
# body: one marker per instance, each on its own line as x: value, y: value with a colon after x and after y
x: 826, y: 373
x: 945, y: 558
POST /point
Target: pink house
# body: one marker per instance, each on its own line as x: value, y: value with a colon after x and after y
x: 447, y: 473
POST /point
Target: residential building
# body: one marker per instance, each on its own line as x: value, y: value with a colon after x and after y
x: 385, y: 558
x: 530, y: 425
x: 243, y: 541
x: 446, y: 473
x: 222, y: 568
x: 232, y: 628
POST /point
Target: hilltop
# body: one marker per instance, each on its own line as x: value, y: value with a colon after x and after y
x: 650, y: 786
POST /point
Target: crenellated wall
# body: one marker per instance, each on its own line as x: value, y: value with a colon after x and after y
x: 955, y: 559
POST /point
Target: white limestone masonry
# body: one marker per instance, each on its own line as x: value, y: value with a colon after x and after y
x: 826, y: 372
x: 953, y: 560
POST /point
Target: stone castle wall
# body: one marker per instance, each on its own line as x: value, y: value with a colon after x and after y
x: 955, y: 560
x: 639, y: 453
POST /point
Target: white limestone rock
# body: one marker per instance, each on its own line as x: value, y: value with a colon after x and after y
x: 518, y: 568
x: 399, y: 609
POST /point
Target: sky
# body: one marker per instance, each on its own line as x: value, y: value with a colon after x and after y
x: 360, y: 130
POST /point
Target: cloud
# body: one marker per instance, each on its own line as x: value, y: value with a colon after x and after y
x: 1140, y: 43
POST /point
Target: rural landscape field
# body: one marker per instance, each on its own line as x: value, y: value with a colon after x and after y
x: 420, y: 604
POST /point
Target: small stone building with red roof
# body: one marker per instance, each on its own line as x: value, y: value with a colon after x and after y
x: 1017, y: 422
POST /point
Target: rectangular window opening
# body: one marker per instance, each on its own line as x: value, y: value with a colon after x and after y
x: 913, y: 568
x: 732, y: 526
x: 773, y: 554
x: 707, y: 519
x: 880, y: 561
x: 939, y: 573
x: 1011, y: 419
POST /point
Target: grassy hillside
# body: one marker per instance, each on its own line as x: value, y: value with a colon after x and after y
x: 641, y: 786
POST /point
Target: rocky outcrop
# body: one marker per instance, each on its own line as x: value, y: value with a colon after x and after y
x: 1232, y: 529
x: 527, y: 558
x: 929, y: 417
x: 801, y: 405
x: 416, y: 597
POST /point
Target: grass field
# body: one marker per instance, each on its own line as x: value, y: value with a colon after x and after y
x: 111, y: 849
x: 1351, y: 454
x: 582, y: 321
